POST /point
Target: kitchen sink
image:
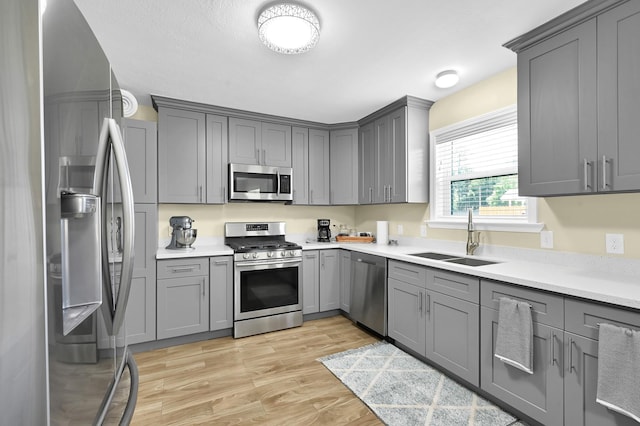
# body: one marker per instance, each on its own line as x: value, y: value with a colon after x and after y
x: 434, y: 255
x: 469, y: 261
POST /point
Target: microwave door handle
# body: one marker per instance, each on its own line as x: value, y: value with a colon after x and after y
x: 128, y: 213
x: 277, y: 182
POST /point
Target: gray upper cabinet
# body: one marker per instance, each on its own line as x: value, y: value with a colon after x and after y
x: 300, y: 158
x: 319, y: 190
x: 578, y: 103
x: 217, y: 170
x: 366, y: 163
x: 256, y: 142
x: 181, y: 156
x: 343, y: 153
x: 393, y: 149
x: 619, y: 98
x: 141, y: 142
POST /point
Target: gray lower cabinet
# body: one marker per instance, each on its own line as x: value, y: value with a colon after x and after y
x: 300, y: 158
x: 406, y: 320
x: 182, y: 297
x: 581, y: 362
x: 538, y: 395
x: 343, y: 152
x: 345, y: 280
x: 310, y: 281
x: 319, y: 190
x: 329, y: 279
x: 221, y: 292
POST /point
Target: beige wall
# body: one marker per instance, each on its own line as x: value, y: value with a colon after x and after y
x: 579, y: 223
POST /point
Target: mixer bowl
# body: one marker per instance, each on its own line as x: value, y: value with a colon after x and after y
x: 186, y: 237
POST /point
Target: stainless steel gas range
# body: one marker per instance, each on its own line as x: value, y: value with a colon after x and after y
x: 267, y: 278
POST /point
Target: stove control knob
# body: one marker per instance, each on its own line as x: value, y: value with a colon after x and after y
x: 291, y: 253
x: 255, y: 255
x: 270, y: 254
x: 283, y: 253
x: 245, y: 256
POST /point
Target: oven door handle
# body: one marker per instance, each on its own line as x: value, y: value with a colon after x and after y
x: 269, y: 263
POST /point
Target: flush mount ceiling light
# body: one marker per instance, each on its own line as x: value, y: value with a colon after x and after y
x: 288, y: 28
x: 446, y: 79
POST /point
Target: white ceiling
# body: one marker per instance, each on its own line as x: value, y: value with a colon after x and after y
x: 370, y: 53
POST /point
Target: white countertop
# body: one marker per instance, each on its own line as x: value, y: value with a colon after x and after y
x: 601, y: 286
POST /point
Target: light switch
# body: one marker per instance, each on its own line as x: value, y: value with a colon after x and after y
x: 546, y: 239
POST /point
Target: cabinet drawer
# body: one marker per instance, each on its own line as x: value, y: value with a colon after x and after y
x: 176, y: 268
x: 408, y: 273
x: 582, y: 318
x: 457, y: 285
x: 546, y: 309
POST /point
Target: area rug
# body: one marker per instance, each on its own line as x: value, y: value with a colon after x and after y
x: 402, y: 390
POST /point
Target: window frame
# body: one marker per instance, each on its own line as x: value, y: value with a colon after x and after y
x: 525, y: 224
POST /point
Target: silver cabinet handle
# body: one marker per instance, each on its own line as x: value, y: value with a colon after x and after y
x: 586, y: 165
x: 264, y: 156
x: 311, y: 197
x: 389, y: 193
x: 604, y: 172
x: 257, y: 155
x: 370, y: 194
x: 428, y: 304
x: 202, y: 285
x: 420, y: 303
x: 571, y: 367
x: 176, y: 270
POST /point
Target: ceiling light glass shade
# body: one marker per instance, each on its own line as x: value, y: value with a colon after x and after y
x: 446, y: 79
x: 288, y: 28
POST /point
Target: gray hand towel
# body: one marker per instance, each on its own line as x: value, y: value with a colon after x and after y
x: 618, y: 366
x: 514, y: 342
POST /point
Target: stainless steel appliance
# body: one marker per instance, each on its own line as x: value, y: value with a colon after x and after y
x: 260, y: 183
x: 267, y: 278
x: 89, y: 226
x: 183, y: 234
x: 369, y: 291
x: 324, y: 230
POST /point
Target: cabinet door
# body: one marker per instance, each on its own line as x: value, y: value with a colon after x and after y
x: 181, y: 156
x: 329, y: 280
x: 183, y: 306
x: 310, y: 282
x: 141, y: 143
x: 367, y: 163
x: 300, y: 157
x: 581, y: 385
x: 453, y: 335
x: 345, y: 280
x: 245, y: 141
x: 217, y: 169
x: 619, y: 98
x: 382, y: 159
x: 396, y: 174
x: 557, y: 125
x: 221, y: 291
x: 276, y: 145
x: 319, y: 167
x: 407, y: 321
x: 538, y: 395
x: 343, y: 162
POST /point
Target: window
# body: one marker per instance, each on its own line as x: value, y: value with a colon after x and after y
x: 474, y: 165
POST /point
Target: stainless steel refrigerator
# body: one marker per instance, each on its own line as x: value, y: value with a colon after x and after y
x: 90, y: 225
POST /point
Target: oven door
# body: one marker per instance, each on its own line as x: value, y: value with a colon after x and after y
x: 263, y: 288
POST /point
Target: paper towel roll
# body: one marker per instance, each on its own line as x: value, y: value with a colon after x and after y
x: 382, y: 236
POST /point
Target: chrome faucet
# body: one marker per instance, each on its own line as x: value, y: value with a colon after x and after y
x: 473, y: 237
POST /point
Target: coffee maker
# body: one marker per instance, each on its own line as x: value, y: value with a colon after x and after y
x: 324, y: 233
x: 183, y: 234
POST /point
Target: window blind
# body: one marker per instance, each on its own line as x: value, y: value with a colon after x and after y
x: 476, y: 166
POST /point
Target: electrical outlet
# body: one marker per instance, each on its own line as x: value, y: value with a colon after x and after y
x: 400, y: 229
x: 546, y: 239
x: 423, y: 230
x: 615, y: 243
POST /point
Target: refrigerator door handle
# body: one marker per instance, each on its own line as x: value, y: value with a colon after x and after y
x: 111, y: 138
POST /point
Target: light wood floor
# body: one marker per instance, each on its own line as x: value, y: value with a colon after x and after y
x: 269, y: 379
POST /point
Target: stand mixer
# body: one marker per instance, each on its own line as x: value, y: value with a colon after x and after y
x: 183, y: 235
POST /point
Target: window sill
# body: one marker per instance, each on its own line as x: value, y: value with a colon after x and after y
x: 487, y: 225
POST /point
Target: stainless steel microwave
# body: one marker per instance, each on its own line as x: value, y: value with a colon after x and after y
x: 260, y: 183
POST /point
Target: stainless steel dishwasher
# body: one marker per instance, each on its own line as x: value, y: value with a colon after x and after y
x: 369, y: 291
